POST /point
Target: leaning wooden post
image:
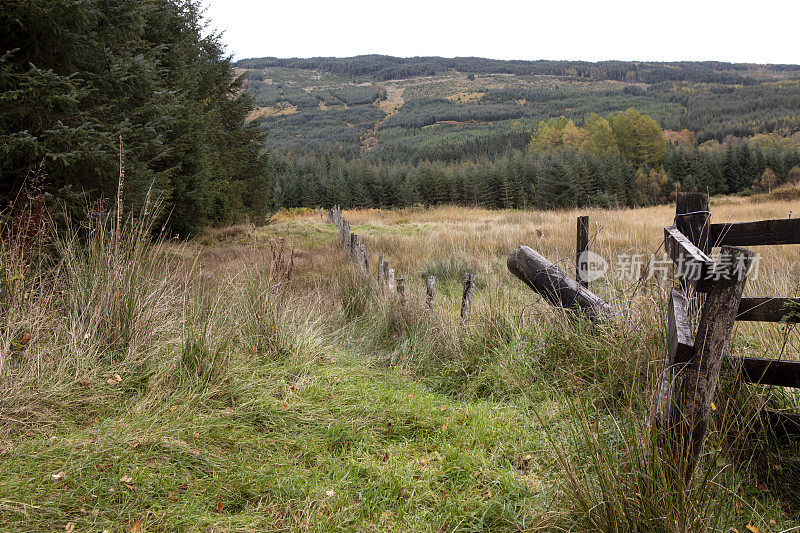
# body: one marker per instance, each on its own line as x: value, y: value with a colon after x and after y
x: 581, y: 269
x: 390, y: 283
x: 379, y: 273
x: 430, y: 291
x: 466, y: 298
x: 401, y: 291
x: 701, y: 375
x: 549, y: 281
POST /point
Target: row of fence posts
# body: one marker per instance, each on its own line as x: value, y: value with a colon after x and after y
x: 386, y: 277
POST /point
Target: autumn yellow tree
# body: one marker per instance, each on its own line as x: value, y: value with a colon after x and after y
x: 638, y: 137
x: 767, y: 181
x: 601, y: 137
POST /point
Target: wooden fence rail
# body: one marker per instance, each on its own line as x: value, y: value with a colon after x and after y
x: 693, y: 365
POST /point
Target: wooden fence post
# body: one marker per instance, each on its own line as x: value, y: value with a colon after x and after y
x: 581, y: 270
x: 692, y: 217
x: 466, y: 298
x: 379, y: 274
x: 353, y: 246
x: 390, y: 283
x: 701, y: 375
x: 430, y: 291
x: 401, y: 291
x: 364, y: 260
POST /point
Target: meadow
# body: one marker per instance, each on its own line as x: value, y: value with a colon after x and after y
x: 251, y: 379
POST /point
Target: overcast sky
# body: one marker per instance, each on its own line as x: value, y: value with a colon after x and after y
x: 765, y: 31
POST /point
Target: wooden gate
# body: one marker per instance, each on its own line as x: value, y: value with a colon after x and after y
x: 692, y: 369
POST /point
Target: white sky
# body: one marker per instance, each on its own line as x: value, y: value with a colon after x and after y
x: 764, y: 31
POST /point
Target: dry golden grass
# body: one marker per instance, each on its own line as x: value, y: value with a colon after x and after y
x: 412, y: 237
x: 444, y: 240
x: 251, y: 379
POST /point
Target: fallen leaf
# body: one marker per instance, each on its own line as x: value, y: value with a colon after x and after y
x: 129, y: 486
x: 125, y: 479
x: 219, y: 507
x: 117, y: 378
x: 752, y: 529
x: 713, y: 407
x: 84, y: 383
x: 70, y: 527
x: 111, y: 381
x: 136, y: 527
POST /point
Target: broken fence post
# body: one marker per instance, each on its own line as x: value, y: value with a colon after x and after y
x: 379, y: 273
x: 430, y: 291
x: 466, y: 298
x: 353, y: 246
x: 554, y: 284
x: 390, y: 283
x: 364, y: 260
x: 401, y: 291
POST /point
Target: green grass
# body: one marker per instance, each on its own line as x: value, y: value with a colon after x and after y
x: 288, y: 446
x: 156, y: 393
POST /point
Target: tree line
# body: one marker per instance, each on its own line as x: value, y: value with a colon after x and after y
x: 624, y: 159
x: 82, y: 79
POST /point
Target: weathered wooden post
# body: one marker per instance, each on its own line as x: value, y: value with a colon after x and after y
x: 554, y: 284
x: 581, y: 266
x: 390, y: 283
x: 692, y: 218
x: 430, y: 291
x: 466, y: 298
x: 401, y: 291
x: 701, y: 375
x: 364, y: 260
x: 353, y: 246
x: 379, y: 274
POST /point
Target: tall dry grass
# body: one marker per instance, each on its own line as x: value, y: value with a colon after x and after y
x: 102, y: 319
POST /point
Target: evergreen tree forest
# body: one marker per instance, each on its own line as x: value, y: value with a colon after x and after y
x: 83, y: 80
x: 377, y: 131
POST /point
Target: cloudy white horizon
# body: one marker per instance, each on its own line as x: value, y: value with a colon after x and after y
x: 680, y: 30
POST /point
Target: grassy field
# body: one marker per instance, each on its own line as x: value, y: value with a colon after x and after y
x: 251, y: 380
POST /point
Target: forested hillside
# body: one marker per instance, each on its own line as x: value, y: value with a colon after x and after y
x: 81, y: 79
x: 381, y: 131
